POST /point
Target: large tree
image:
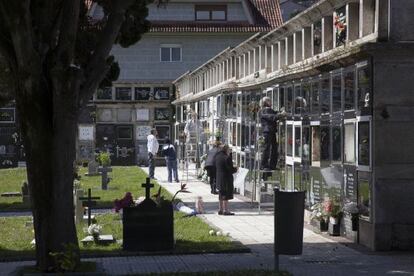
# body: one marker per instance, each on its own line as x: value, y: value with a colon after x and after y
x: 53, y: 57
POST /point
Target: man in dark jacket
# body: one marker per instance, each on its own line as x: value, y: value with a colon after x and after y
x: 210, y: 165
x: 268, y: 120
x: 171, y: 160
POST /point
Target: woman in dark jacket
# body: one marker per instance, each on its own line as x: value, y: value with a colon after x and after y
x: 224, y: 179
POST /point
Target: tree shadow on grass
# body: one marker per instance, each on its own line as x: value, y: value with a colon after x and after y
x: 181, y: 248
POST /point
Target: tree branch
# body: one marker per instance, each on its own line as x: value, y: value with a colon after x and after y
x: 68, y: 32
x: 97, y: 68
x: 16, y: 15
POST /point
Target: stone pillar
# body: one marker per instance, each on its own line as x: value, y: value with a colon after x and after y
x: 352, y: 19
x: 297, y: 47
x: 231, y: 67
x: 307, y: 42
x: 268, y: 59
x: 366, y: 17
x: 401, y: 22
x: 289, y: 50
x: 316, y: 38
x: 327, y: 33
x: 245, y: 64
x: 237, y: 67
x: 393, y: 135
x: 252, y: 55
x: 275, y: 56
x: 282, y: 53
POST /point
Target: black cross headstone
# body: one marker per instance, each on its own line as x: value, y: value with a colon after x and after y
x: 89, y: 202
x: 147, y: 185
x: 104, y: 176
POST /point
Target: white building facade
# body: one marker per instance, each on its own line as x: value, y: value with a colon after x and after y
x: 342, y: 70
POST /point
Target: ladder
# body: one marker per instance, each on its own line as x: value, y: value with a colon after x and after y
x: 264, y: 180
x: 191, y: 150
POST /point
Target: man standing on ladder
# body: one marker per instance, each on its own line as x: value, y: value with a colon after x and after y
x: 268, y: 120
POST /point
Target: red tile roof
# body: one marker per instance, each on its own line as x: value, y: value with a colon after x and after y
x: 197, y: 27
x: 270, y: 11
x: 266, y: 13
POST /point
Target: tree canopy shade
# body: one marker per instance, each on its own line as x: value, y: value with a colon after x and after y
x: 53, y: 56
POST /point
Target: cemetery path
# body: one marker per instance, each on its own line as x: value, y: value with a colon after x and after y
x: 322, y: 255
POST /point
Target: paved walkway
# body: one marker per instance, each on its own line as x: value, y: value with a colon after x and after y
x: 321, y: 254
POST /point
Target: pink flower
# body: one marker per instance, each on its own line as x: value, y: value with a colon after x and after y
x: 127, y: 201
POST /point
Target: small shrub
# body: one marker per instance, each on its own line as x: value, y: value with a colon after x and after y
x: 104, y: 159
x: 67, y: 260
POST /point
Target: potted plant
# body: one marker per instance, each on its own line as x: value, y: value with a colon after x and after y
x: 333, y: 210
x: 318, y: 214
x: 352, y: 209
x: 104, y: 159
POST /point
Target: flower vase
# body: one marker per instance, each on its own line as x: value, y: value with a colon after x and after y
x: 334, y: 228
x: 323, y: 225
x: 355, y: 222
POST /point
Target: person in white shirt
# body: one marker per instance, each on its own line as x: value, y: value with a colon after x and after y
x: 153, y: 147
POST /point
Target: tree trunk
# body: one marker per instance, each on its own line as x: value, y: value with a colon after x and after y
x: 49, y: 134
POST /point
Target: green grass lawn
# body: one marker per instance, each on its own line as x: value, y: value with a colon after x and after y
x: 124, y: 179
x: 191, y: 235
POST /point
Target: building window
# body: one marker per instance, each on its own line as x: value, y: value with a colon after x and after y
x: 142, y: 93
x: 104, y: 93
x: 123, y: 93
x: 124, y: 132
x: 7, y: 115
x: 364, y: 144
x: 336, y: 93
x: 349, y: 90
x: 349, y: 139
x: 325, y: 96
x: 364, y: 91
x: 170, y: 53
x: 210, y: 12
x: 161, y: 93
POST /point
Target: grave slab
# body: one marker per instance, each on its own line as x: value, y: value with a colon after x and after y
x: 102, y: 240
x: 11, y: 194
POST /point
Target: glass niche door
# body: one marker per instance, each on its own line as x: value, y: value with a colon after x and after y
x: 293, y: 152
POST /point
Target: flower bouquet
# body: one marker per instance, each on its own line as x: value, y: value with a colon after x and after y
x: 318, y: 214
x: 126, y: 201
x: 94, y: 230
x: 333, y: 209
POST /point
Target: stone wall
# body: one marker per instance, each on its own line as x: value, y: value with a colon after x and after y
x: 393, y: 145
x: 185, y: 12
x: 141, y: 62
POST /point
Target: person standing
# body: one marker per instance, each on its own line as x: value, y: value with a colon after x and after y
x: 268, y: 120
x: 224, y: 179
x: 210, y: 165
x: 171, y: 159
x: 153, y: 147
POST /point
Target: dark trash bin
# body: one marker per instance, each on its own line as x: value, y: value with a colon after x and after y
x: 289, y: 215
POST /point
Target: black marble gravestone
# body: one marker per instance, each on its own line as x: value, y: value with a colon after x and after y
x: 148, y: 227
